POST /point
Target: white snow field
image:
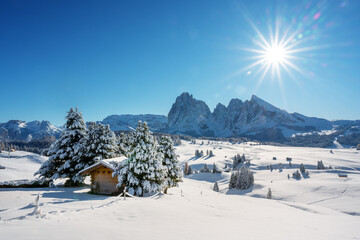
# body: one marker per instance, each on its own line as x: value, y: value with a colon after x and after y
x: 19, y: 165
x: 321, y: 206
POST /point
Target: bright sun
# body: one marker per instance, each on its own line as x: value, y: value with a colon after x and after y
x: 275, y: 55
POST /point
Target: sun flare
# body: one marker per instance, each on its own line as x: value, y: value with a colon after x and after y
x: 275, y: 54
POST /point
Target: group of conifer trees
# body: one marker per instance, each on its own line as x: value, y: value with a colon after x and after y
x: 150, y: 166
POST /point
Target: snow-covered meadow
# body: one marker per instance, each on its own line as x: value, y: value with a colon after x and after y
x: 321, y: 206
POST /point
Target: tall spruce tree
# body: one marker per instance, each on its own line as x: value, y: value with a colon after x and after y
x: 172, y: 166
x: 100, y: 143
x: 124, y: 144
x: 245, y: 178
x: 63, y: 153
x: 143, y: 172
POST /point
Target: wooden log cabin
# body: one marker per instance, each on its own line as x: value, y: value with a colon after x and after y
x: 102, y: 181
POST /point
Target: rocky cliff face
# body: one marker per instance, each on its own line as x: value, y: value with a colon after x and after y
x: 189, y: 116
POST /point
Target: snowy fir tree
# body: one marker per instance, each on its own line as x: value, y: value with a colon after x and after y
x: 215, y: 169
x: 100, y: 143
x: 143, y: 172
x: 320, y: 165
x: 198, y: 153
x: 189, y: 171
x: 296, y: 174
x: 245, y: 178
x: 269, y: 194
x: 302, y: 168
x: 63, y: 153
x: 211, y: 154
x: 216, y: 187
x: 205, y: 169
x: 173, y: 173
x: 233, y: 179
x: 124, y: 143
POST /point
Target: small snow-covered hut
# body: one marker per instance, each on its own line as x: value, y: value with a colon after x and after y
x: 102, y: 181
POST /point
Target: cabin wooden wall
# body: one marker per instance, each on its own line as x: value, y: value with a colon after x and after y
x: 107, y: 183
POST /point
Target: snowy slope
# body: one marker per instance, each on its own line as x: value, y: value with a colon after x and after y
x: 322, y: 206
x: 19, y: 165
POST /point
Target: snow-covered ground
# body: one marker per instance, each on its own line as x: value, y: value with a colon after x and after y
x: 322, y: 206
x: 19, y: 165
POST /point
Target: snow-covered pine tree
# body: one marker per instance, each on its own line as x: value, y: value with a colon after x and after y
x: 235, y: 162
x: 100, y: 143
x: 124, y: 143
x: 296, y: 174
x: 302, y: 168
x: 243, y: 159
x: 320, y: 165
x: 269, y: 194
x: 197, y: 153
x: 211, y: 154
x: 233, y: 179
x: 143, y: 172
x: 173, y: 172
x: 215, y: 169
x: 205, y: 169
x: 245, y: 179
x: 64, y: 151
x: 216, y: 187
x: 189, y: 170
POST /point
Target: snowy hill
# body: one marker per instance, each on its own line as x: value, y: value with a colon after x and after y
x: 321, y: 206
x: 19, y: 165
x: 27, y: 131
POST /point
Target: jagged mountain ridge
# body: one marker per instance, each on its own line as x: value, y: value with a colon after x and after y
x: 27, y: 131
x: 253, y: 118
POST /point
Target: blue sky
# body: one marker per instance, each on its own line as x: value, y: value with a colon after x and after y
x: 117, y: 57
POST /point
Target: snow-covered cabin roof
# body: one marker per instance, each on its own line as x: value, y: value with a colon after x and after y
x: 109, y: 163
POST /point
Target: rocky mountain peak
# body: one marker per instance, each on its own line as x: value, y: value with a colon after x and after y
x: 190, y: 115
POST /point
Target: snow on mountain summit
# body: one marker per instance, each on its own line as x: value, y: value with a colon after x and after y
x: 26, y: 131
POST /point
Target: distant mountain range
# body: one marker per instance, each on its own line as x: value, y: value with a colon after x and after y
x: 254, y: 119
x: 27, y: 131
